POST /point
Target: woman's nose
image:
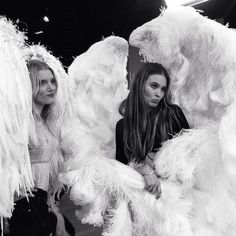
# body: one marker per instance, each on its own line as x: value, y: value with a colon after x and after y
x: 158, y: 93
x: 51, y: 87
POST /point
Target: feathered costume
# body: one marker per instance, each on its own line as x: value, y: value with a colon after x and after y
x: 197, y: 167
x: 18, y: 127
x: 200, y: 55
x: 96, y: 179
x: 16, y: 121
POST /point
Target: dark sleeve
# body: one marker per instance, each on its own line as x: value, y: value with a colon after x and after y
x: 120, y: 153
x: 182, y: 122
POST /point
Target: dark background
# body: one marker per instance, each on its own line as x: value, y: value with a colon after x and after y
x: 74, y: 25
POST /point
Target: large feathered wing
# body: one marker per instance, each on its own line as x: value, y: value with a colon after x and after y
x: 200, y: 55
x: 16, y: 121
x: 88, y: 141
x: 99, y: 85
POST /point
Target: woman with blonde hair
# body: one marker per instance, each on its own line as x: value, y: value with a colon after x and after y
x: 38, y: 215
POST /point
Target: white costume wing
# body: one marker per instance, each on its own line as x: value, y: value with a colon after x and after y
x: 89, y: 142
x: 99, y: 86
x: 200, y: 55
x: 16, y: 121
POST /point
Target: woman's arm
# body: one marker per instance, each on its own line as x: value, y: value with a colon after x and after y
x: 181, y: 118
x: 144, y: 169
x: 152, y: 183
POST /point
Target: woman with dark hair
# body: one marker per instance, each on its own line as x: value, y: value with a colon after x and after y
x: 149, y: 119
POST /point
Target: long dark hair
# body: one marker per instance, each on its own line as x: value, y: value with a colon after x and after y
x: 140, y: 124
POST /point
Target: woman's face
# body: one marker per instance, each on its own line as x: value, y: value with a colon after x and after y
x: 154, y: 89
x: 47, y: 88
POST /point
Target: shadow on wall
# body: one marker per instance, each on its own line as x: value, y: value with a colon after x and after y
x: 134, y: 62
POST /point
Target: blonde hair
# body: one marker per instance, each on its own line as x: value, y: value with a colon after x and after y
x: 50, y: 113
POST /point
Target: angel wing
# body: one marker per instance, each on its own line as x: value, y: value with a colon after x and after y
x: 99, y: 86
x: 16, y: 121
x: 94, y: 176
x: 200, y: 55
x: 98, y: 82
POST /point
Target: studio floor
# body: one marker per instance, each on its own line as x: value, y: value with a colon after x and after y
x: 68, y: 208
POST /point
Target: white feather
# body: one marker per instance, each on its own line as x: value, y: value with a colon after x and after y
x: 16, y: 121
x: 200, y: 55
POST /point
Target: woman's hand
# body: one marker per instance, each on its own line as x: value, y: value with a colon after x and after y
x: 152, y: 184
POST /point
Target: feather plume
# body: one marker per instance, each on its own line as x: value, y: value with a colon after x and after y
x: 16, y: 122
x: 121, y: 224
x: 200, y: 55
x: 191, y: 46
x: 88, y: 142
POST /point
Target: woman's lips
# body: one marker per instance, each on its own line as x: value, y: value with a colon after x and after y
x: 51, y: 95
x: 155, y: 101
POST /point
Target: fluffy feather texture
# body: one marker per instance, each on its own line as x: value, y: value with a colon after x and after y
x: 94, y: 176
x: 98, y: 82
x: 16, y: 121
x: 200, y: 55
x: 191, y: 46
x: 121, y: 220
x: 99, y: 86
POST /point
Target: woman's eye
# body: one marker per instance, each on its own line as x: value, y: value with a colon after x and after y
x: 54, y: 81
x: 154, y: 86
x: 42, y: 82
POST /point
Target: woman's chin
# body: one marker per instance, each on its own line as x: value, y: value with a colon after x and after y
x: 153, y: 105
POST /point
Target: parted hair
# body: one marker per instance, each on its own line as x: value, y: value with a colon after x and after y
x: 141, y: 124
